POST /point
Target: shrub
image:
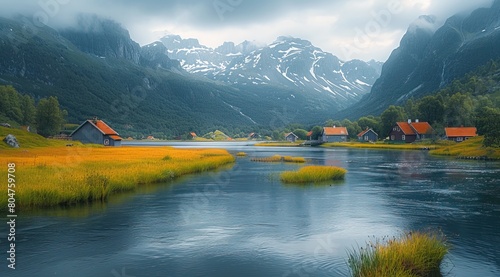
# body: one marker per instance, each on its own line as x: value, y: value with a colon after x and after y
x: 313, y: 174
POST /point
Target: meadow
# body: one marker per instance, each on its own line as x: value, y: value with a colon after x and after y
x: 470, y: 149
x: 60, y: 175
x: 279, y: 159
x: 413, y: 254
x: 313, y: 174
x: 382, y: 145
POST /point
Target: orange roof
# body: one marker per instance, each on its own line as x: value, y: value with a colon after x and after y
x: 406, y: 128
x: 423, y: 128
x: 103, y: 127
x: 310, y: 133
x: 460, y: 132
x: 193, y: 134
x: 115, y: 137
x: 414, y: 128
x: 335, y: 131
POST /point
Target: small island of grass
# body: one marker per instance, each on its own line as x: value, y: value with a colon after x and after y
x: 241, y: 154
x: 313, y: 174
x: 279, y: 159
x: 413, y: 254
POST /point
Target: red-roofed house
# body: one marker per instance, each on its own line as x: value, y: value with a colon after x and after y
x: 460, y: 134
x: 334, y: 134
x: 193, y: 134
x: 411, y: 131
x: 97, y: 132
x: 368, y: 135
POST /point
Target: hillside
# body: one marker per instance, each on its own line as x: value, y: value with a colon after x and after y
x: 95, y: 69
x: 431, y: 56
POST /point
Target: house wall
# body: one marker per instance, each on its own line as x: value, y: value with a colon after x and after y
x: 326, y: 138
x: 112, y: 142
x: 371, y: 137
x: 88, y: 134
x: 291, y: 138
x: 458, y: 139
x: 397, y: 135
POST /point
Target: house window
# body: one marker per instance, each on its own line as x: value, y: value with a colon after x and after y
x: 367, y: 138
x: 460, y: 139
x: 393, y: 137
x: 403, y: 137
x: 394, y: 129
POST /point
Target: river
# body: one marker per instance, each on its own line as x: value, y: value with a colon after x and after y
x: 242, y: 221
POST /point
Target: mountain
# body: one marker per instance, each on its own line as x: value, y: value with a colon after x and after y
x: 96, y: 69
x: 289, y: 63
x: 431, y: 56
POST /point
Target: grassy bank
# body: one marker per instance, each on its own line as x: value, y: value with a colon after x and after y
x: 469, y: 149
x: 313, y: 174
x: 51, y: 176
x: 30, y: 140
x: 413, y: 255
x: 279, y: 159
x: 278, y: 144
x: 381, y: 145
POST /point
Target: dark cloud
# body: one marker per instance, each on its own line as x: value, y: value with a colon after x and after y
x: 331, y: 24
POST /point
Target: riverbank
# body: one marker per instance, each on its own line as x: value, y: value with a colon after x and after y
x: 279, y: 144
x: 58, y: 176
x: 381, y: 145
x: 471, y: 149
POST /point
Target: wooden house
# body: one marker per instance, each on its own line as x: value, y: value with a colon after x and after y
x: 409, y: 132
x: 334, y: 134
x: 368, y: 135
x: 291, y: 137
x: 97, y: 132
x: 460, y: 134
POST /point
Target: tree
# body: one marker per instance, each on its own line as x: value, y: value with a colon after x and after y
x: 28, y: 110
x: 488, y: 125
x: 370, y: 122
x: 10, y: 104
x: 431, y: 109
x: 459, y: 110
x: 316, y: 132
x: 49, y: 117
x: 301, y: 133
x: 389, y: 117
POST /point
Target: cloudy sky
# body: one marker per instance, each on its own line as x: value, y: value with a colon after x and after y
x: 363, y: 29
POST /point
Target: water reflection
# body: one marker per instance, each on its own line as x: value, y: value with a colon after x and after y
x: 243, y: 222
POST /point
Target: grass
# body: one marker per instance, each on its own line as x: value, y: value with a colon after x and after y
x: 313, y: 174
x: 470, y: 149
x: 241, y: 154
x: 279, y: 159
x: 30, y: 140
x: 278, y: 144
x: 55, y: 176
x: 413, y: 255
x: 382, y: 145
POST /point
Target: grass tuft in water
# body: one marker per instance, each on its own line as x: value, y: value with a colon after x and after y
x: 413, y: 254
x: 313, y: 174
x: 279, y: 159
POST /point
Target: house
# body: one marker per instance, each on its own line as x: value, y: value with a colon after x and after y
x: 253, y: 136
x: 309, y: 135
x: 409, y: 132
x: 151, y: 138
x: 291, y: 137
x: 334, y: 134
x: 97, y: 132
x: 368, y: 135
x: 460, y: 134
x: 193, y: 135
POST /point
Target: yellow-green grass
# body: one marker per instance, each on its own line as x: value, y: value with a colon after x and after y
x: 413, y: 255
x: 278, y: 144
x: 241, y: 154
x: 381, y: 145
x: 52, y: 176
x: 279, y: 159
x: 30, y: 140
x: 313, y: 174
x: 472, y: 148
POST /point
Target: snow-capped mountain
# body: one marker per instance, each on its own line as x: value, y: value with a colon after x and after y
x: 202, y: 60
x: 288, y: 62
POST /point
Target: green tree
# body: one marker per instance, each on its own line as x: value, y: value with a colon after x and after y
x: 370, y: 122
x: 389, y: 118
x: 10, y: 104
x: 316, y: 132
x: 459, y: 110
x: 301, y: 133
x: 49, y: 117
x: 431, y: 109
x: 488, y: 125
x: 28, y: 110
